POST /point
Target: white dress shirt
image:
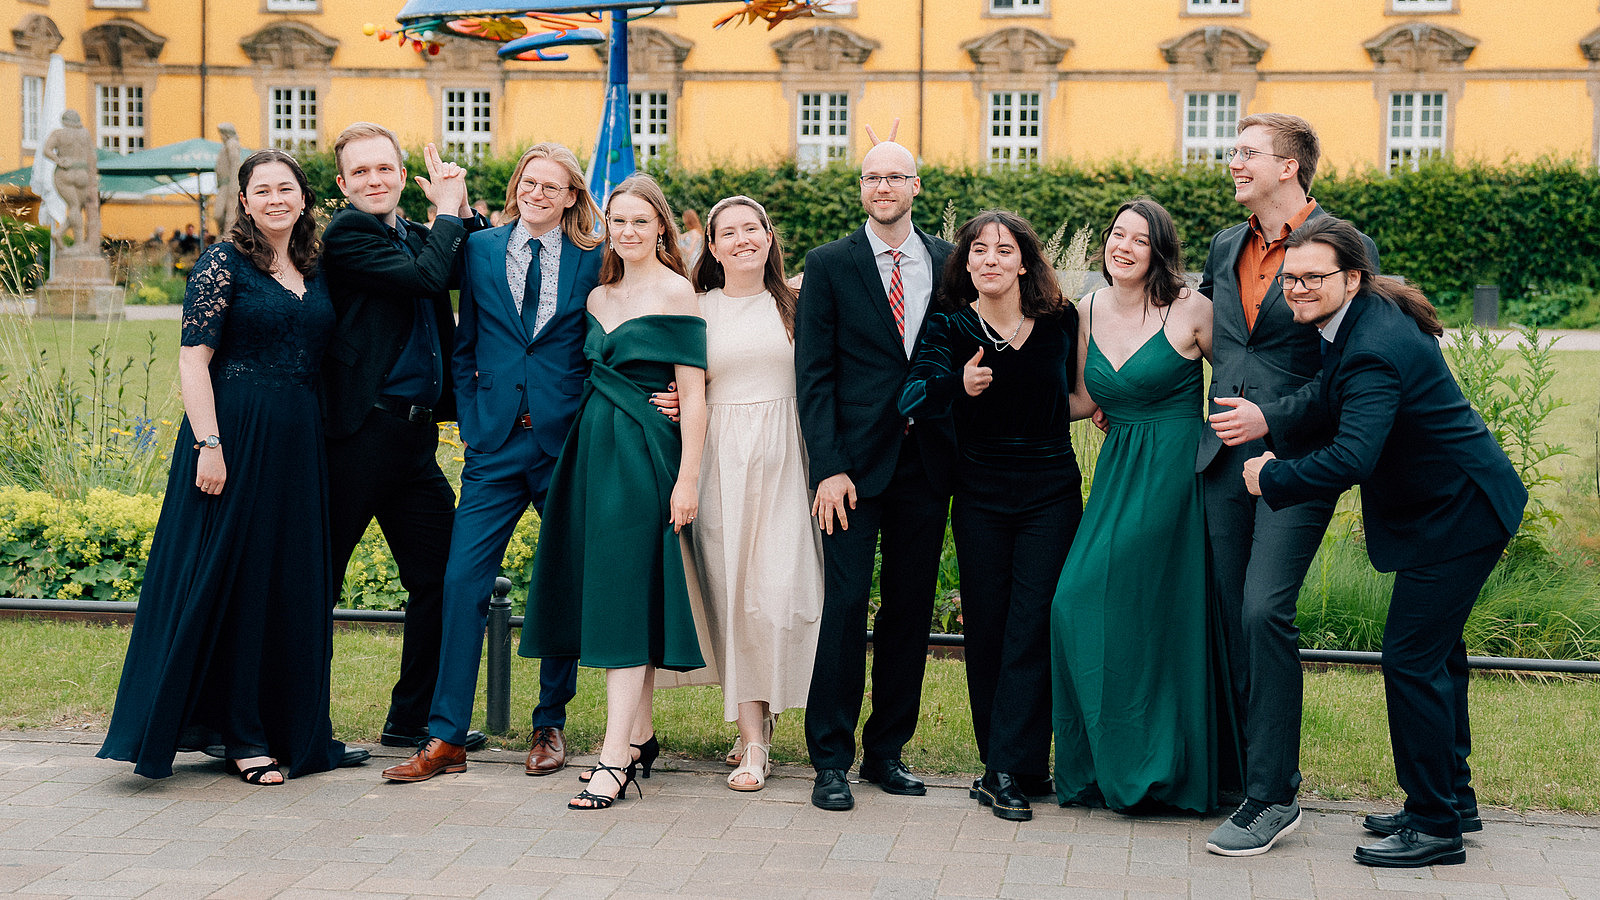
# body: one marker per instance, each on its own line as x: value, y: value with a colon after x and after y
x: 916, y: 276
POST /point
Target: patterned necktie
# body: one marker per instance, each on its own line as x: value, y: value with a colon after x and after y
x: 530, y: 293
x: 897, y: 293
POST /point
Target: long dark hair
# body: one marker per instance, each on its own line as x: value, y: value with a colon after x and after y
x: 647, y: 189
x: 1163, y: 279
x: 1041, y: 293
x: 708, y: 272
x: 304, y: 246
x: 1351, y: 254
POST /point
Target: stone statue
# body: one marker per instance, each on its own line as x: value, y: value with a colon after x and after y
x: 77, y: 180
x: 226, y: 201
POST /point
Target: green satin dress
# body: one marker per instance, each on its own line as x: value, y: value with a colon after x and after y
x: 1131, y: 636
x: 607, y: 583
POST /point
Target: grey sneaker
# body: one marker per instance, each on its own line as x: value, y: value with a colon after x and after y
x: 1253, y: 828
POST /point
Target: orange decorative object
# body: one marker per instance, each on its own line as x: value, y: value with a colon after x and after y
x: 772, y: 11
x: 496, y: 28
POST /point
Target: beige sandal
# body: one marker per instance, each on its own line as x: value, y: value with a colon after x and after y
x: 748, y: 766
x: 736, y: 755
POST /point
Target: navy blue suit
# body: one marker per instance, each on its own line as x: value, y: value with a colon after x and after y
x: 500, y: 373
x: 1440, y: 501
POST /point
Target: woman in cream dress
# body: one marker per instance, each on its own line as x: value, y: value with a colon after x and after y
x: 756, y: 547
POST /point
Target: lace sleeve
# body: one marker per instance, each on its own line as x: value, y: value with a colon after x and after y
x: 205, y: 300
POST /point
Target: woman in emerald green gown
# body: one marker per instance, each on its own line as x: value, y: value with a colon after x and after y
x: 1132, y: 640
x: 608, y: 583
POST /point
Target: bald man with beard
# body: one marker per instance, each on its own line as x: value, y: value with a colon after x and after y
x: 876, y: 475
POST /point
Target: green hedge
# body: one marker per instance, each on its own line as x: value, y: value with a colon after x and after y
x: 1531, y: 227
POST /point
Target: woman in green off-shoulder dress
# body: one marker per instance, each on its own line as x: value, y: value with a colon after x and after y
x: 608, y: 583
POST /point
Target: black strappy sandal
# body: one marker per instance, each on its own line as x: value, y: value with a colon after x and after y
x: 255, y: 774
x: 649, y: 751
x: 601, y: 801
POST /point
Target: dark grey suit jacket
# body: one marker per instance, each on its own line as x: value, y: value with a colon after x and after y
x: 1274, y: 365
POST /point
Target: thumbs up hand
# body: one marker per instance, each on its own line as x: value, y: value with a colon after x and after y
x: 975, y: 377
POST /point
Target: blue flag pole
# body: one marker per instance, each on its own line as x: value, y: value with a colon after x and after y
x: 613, y: 150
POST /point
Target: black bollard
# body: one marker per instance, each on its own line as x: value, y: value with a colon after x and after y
x: 497, y: 719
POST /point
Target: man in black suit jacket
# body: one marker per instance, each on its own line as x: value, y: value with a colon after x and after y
x: 387, y: 386
x: 1439, y: 499
x: 1263, y: 369
x: 861, y: 308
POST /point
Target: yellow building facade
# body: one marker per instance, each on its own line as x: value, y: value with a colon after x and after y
x: 972, y: 81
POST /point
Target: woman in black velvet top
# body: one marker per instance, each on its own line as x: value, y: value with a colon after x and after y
x: 1002, y: 357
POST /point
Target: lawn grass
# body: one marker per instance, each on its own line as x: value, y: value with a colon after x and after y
x: 1536, y: 739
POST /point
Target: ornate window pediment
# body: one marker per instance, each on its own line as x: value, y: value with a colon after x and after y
x: 1590, y: 46
x: 824, y: 48
x: 651, y: 50
x: 120, y: 42
x: 1017, y: 50
x: 36, y: 35
x: 289, y: 45
x: 459, y: 54
x: 1420, y: 47
x: 1215, y: 48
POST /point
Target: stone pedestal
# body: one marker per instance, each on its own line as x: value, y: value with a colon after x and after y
x: 81, y: 288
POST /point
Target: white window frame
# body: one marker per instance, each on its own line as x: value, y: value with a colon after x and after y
x: 293, y: 118
x: 1404, y: 7
x: 1416, y: 127
x: 1213, y: 7
x: 468, y: 122
x: 117, y: 4
x: 650, y: 120
x: 1017, y: 7
x: 120, y: 117
x: 1014, y: 128
x: 293, y: 6
x: 822, y: 128
x: 32, y: 111
x: 1210, y: 125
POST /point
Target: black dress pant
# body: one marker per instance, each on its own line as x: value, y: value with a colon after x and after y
x: 1425, y: 685
x: 910, y: 515
x: 387, y: 470
x: 1013, y: 528
x: 1259, y: 558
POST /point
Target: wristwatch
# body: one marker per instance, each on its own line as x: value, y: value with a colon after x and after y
x: 211, y: 441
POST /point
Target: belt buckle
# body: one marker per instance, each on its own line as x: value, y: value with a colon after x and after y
x: 526, y: 421
x: 421, y: 415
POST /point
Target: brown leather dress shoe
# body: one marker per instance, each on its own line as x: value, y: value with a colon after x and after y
x: 435, y: 757
x: 548, y: 751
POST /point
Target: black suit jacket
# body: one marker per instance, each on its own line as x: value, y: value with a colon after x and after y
x: 374, y: 286
x: 850, y: 366
x: 1434, y: 482
x: 1271, y: 365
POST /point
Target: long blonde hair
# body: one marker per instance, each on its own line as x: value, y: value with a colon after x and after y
x: 580, y: 221
x: 645, y: 188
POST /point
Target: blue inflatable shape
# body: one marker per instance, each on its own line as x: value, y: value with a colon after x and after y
x: 538, y: 43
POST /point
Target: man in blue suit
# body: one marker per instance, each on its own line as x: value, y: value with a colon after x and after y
x: 519, y: 368
x: 1439, y: 499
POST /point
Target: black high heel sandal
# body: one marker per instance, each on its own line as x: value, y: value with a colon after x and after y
x: 601, y: 801
x: 649, y: 752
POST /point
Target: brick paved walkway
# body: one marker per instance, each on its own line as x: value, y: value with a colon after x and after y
x: 72, y: 825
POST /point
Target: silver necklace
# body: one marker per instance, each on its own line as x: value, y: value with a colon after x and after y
x: 993, y: 336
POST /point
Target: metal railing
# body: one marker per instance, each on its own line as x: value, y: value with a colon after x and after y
x: 497, y: 717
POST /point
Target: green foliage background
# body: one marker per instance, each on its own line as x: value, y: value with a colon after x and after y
x: 1531, y: 227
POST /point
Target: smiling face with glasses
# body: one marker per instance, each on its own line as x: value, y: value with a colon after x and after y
x: 1314, y: 285
x: 543, y: 195
x: 888, y: 183
x: 1258, y: 172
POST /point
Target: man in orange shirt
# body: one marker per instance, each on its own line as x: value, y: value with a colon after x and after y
x: 1263, y: 370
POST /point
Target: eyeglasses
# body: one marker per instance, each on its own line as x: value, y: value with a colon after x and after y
x: 1249, y: 154
x: 872, y: 181
x: 550, y: 191
x: 618, y: 223
x: 1306, y: 282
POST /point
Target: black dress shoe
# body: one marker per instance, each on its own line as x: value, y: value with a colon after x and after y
x: 999, y: 791
x: 1382, y: 824
x: 354, y: 756
x: 1039, y: 786
x: 832, y: 791
x: 401, y: 736
x: 893, y: 776
x: 1408, y: 849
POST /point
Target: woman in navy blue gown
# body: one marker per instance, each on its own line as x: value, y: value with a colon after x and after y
x: 233, y: 637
